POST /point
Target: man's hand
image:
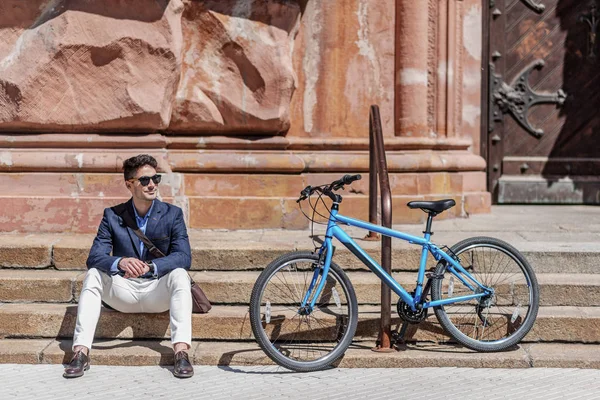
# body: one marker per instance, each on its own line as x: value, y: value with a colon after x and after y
x: 133, y: 267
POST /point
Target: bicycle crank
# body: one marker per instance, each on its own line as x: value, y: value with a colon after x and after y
x: 408, y: 315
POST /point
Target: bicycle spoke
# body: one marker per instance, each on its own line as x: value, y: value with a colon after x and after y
x: 495, y: 318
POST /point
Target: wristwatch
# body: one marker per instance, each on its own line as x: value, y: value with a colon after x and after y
x: 152, y: 267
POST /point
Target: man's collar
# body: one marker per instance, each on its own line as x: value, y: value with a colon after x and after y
x: 147, y: 214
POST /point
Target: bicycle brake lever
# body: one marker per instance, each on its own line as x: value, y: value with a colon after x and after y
x: 304, y: 194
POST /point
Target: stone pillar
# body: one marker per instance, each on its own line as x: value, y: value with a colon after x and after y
x: 447, y: 66
x: 448, y: 69
x: 411, y: 68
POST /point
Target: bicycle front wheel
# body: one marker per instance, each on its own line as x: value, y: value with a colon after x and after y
x: 491, y: 323
x: 292, y: 337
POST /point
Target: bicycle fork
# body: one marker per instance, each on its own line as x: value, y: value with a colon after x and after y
x: 322, y: 267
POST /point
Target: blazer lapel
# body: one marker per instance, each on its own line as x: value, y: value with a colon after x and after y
x: 135, y: 241
x: 157, y: 213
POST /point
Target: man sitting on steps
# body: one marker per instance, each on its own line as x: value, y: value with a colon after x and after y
x: 132, y: 280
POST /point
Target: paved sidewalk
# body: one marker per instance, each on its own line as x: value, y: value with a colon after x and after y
x: 41, y: 382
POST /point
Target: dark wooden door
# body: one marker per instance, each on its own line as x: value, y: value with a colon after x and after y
x: 543, y: 139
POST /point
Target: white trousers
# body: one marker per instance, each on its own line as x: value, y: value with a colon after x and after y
x: 170, y: 292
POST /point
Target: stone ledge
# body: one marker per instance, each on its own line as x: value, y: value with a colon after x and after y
x: 568, y: 324
x: 226, y: 287
x: 161, y: 141
x: 560, y: 355
x: 359, y: 355
x: 239, y: 161
x: 225, y: 250
x: 316, y: 143
x: 83, y: 141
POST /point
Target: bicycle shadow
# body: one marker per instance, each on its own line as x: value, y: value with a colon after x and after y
x: 254, y: 359
x: 256, y: 362
x: 428, y: 336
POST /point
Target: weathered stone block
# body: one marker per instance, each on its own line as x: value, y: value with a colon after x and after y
x: 334, y: 102
x: 235, y: 213
x: 237, y: 256
x: 478, y: 203
x: 474, y: 181
x: 237, y: 70
x: 24, y: 251
x: 75, y: 66
x: 243, y: 185
x: 404, y: 184
x: 581, y: 324
x: 71, y: 252
x: 440, y: 183
x: 63, y: 184
x: 22, y: 351
x: 42, y: 286
x: 56, y: 214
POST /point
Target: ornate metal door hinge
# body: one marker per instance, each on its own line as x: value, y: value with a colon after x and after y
x: 592, y: 18
x: 518, y: 97
x: 537, y: 7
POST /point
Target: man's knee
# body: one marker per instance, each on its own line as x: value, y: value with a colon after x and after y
x: 177, y: 278
x: 93, y: 279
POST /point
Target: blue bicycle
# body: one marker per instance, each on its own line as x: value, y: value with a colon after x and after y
x: 304, y: 311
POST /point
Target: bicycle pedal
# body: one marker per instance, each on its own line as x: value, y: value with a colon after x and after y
x: 397, y: 341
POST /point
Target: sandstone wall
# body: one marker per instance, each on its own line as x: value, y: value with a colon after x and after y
x: 243, y: 103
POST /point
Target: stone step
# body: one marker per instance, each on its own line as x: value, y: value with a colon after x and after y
x: 359, y: 355
x: 36, y: 320
x: 253, y: 250
x: 235, y: 287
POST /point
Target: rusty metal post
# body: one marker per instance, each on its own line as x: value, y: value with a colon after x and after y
x: 386, y: 221
x: 372, y: 182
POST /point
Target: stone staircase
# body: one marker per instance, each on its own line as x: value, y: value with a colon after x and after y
x: 41, y: 277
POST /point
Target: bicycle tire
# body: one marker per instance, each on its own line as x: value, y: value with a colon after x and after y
x: 516, y: 293
x: 336, y: 319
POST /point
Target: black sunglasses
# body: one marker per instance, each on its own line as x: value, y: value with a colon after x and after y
x: 145, y: 180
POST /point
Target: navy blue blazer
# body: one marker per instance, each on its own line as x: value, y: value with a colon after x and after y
x: 165, y: 228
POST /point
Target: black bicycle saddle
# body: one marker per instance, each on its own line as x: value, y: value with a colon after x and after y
x: 433, y: 206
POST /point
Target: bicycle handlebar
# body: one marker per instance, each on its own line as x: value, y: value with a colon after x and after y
x: 329, y: 189
x: 346, y: 180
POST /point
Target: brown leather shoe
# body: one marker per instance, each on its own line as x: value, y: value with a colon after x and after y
x: 78, y: 365
x: 183, y: 368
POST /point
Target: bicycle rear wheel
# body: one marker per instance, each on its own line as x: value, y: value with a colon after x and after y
x: 295, y: 341
x: 496, y: 322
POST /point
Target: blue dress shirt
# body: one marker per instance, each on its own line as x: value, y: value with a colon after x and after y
x: 141, y: 223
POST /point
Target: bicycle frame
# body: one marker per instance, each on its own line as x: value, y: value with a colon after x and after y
x: 415, y: 302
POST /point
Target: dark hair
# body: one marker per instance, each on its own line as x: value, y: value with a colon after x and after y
x: 131, y: 165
